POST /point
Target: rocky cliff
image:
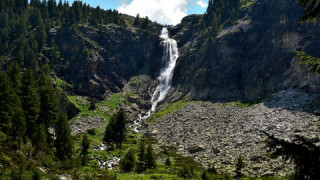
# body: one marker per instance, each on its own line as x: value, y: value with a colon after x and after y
x: 101, y: 61
x: 248, y: 60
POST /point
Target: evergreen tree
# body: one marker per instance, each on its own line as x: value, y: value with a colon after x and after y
x: 41, y: 34
x: 150, y: 158
x: 301, y: 151
x: 239, y: 165
x: 141, y: 157
x: 30, y: 103
x: 18, y: 121
x: 92, y: 104
x: 127, y: 163
x: 120, y: 129
x: 63, y: 143
x: 116, y: 129
x: 48, y: 104
x: 204, y: 175
x: 137, y: 21
x: 168, y: 162
x: 11, y: 115
x: 40, y: 140
x: 311, y: 10
x: 109, y: 134
x: 85, y: 145
x: 13, y: 72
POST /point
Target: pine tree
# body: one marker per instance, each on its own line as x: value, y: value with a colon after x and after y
x: 13, y: 72
x: 301, y: 151
x: 12, y: 121
x: 85, y: 145
x: 63, y: 143
x: 18, y: 121
x: 120, y: 128
x: 168, y: 162
x: 116, y: 129
x: 41, y: 34
x: 92, y: 104
x: 311, y: 10
x: 108, y: 135
x: 127, y: 163
x: 239, y: 165
x: 30, y: 103
x: 48, y: 104
x: 150, y: 158
x: 141, y: 157
x: 137, y: 21
x: 40, y: 140
x: 204, y: 175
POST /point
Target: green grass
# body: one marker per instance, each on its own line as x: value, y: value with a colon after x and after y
x: 61, y: 83
x: 112, y: 103
x: 237, y: 104
x: 246, y: 3
x: 168, y: 109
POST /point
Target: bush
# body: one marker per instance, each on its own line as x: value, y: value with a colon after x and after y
x: 186, y: 172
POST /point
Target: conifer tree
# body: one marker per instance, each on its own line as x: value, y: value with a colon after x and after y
x: 18, y: 128
x: 63, y: 143
x: 141, y: 157
x: 239, y: 165
x: 116, y: 129
x: 30, y: 103
x: 127, y: 163
x: 13, y: 72
x: 109, y: 134
x: 150, y: 158
x: 48, y: 104
x: 6, y: 98
x: 12, y: 121
x: 85, y: 145
x: 120, y: 128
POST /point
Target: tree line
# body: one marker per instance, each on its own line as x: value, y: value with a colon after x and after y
x: 29, y: 108
x: 24, y: 28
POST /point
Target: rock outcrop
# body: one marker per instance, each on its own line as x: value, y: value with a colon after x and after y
x: 249, y: 60
x: 101, y: 61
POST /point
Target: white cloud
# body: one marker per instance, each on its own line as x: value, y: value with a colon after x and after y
x: 202, y: 4
x: 162, y: 11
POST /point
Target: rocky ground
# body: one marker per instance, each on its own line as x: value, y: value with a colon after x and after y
x: 221, y: 132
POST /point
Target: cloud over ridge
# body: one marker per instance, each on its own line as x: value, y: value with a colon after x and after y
x: 202, y: 4
x: 162, y: 11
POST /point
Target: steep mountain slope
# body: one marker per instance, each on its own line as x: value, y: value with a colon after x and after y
x: 103, y: 60
x: 249, y: 59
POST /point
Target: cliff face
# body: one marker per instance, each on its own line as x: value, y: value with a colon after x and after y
x: 248, y: 60
x: 100, y: 62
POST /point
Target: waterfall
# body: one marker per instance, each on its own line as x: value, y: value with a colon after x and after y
x: 169, y: 59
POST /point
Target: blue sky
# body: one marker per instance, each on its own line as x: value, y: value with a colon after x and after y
x: 162, y: 11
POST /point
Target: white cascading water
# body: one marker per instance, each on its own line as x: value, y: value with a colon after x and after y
x: 169, y: 58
